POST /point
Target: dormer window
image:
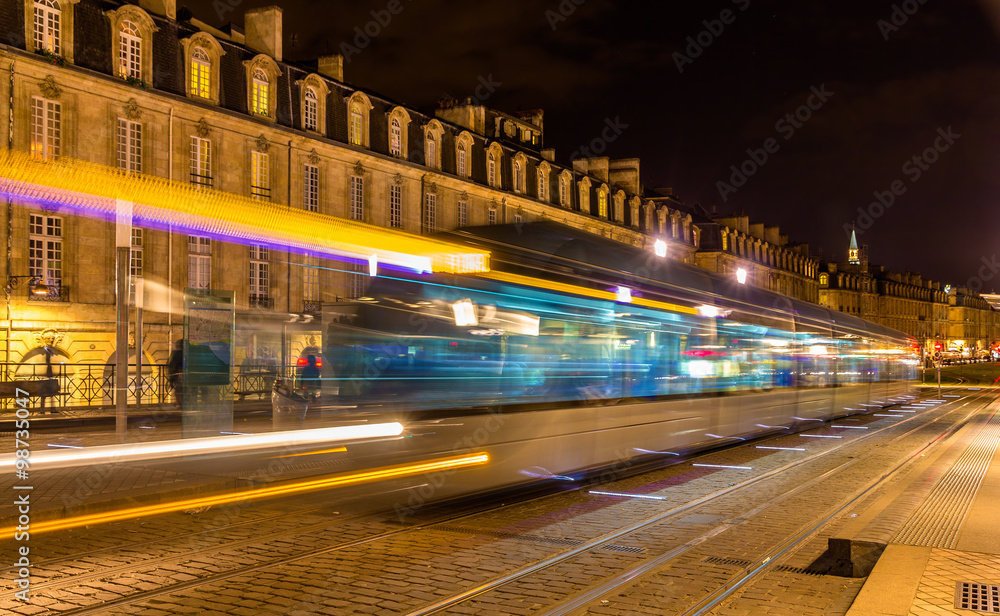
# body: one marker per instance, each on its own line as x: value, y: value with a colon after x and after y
x: 129, y: 51
x: 602, y: 203
x: 491, y: 172
x: 543, y: 186
x: 48, y: 16
x: 201, y: 73
x: 356, y: 125
x: 461, y: 161
x: 310, y: 111
x: 395, y: 138
x: 431, y: 152
x: 260, y: 96
x: 518, y: 176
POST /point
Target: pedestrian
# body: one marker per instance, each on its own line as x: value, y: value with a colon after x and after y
x: 310, y: 378
x: 175, y: 371
x: 45, y: 389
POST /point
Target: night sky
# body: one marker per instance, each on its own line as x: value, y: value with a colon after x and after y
x: 890, y: 88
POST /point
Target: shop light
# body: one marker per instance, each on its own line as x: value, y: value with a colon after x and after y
x: 660, y: 248
x: 741, y: 276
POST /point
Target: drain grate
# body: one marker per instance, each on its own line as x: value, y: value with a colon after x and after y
x: 499, y: 534
x: 732, y: 562
x: 979, y: 597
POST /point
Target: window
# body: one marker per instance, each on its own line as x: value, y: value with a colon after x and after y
x: 129, y: 50
x: 395, y: 138
x: 310, y: 113
x: 358, y: 279
x: 602, y: 204
x: 47, y: 25
x: 396, y: 206
x: 430, y: 213
x: 357, y: 198
x: 129, y: 146
x: 673, y: 227
x: 563, y: 192
x: 463, y: 213
x: 356, y: 125
x: 310, y: 183
x: 260, y: 175
x: 45, y: 250
x: 518, y: 176
x: 462, y: 166
x: 260, y: 287
x: 46, y: 128
x: 543, y: 186
x: 585, y: 197
x: 201, y: 73
x: 310, y: 279
x: 199, y: 262
x: 492, y: 170
x: 493, y: 216
x: 135, y: 263
x: 201, y: 162
x: 518, y: 219
x: 260, y: 95
x: 431, y: 152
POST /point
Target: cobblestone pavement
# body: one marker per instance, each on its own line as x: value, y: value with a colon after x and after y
x: 699, y: 529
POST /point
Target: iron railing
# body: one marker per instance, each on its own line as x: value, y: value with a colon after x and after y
x: 57, y: 293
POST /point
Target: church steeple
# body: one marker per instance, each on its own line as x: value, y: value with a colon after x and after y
x: 852, y: 251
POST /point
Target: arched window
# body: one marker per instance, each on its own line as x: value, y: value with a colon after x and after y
x: 396, y: 138
x: 261, y: 95
x: 47, y: 25
x: 602, y: 204
x: 430, y: 155
x: 518, y: 177
x: 492, y: 170
x: 310, y: 114
x: 461, y: 162
x: 201, y: 73
x: 129, y: 50
x: 563, y: 192
x: 543, y: 185
x: 356, y: 126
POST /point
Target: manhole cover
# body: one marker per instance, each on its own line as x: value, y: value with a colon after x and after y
x: 978, y: 597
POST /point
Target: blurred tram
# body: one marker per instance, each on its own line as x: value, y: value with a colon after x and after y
x: 576, y: 351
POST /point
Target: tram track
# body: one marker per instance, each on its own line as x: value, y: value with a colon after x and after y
x: 604, y: 540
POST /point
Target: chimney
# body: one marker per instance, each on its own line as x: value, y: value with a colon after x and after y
x: 166, y: 8
x: 332, y: 66
x: 549, y: 154
x: 263, y: 30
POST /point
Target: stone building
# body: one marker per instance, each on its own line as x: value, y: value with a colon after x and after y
x: 150, y: 89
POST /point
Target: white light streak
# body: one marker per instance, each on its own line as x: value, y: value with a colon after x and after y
x: 782, y: 448
x: 645, y: 496
x: 886, y: 415
x: 852, y: 427
x: 820, y: 436
x: 742, y: 468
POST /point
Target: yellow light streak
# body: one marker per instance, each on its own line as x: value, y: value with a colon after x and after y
x: 310, y: 453
x: 335, y: 481
x: 562, y: 287
x: 92, y: 188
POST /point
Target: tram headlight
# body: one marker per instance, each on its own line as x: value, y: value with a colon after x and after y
x: 465, y: 313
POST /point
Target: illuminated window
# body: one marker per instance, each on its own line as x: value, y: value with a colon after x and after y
x: 602, y: 204
x: 129, y: 50
x: 45, y: 249
x: 310, y: 279
x: 357, y: 198
x: 260, y: 175
x: 430, y: 213
x: 462, y: 172
x: 463, y: 213
x: 201, y: 73
x: 201, y: 162
x: 395, y: 138
x: 260, y: 287
x: 356, y: 126
x: 585, y: 197
x: 518, y: 219
x: 199, y: 262
x: 492, y: 170
x: 47, y: 25
x: 396, y: 206
x: 310, y: 183
x: 260, y: 96
x: 46, y: 128
x: 129, y: 146
x: 135, y: 262
x: 563, y: 192
x: 310, y: 117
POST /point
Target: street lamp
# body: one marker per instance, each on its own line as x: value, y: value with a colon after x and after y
x: 39, y: 287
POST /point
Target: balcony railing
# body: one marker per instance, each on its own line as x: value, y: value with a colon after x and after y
x: 261, y: 301
x: 56, y: 293
x: 312, y: 306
